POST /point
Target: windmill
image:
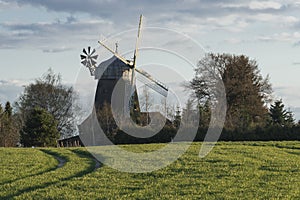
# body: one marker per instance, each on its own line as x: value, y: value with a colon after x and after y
x: 110, y: 71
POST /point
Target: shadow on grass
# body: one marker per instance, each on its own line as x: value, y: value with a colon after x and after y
x: 78, y: 152
x: 87, y: 154
x: 56, y: 156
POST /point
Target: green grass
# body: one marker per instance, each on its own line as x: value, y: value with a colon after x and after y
x: 243, y: 170
x: 21, y: 163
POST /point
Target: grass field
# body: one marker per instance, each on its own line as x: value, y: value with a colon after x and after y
x: 250, y: 170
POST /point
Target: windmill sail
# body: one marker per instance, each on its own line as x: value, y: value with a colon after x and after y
x: 148, y: 80
x: 115, y: 54
x: 136, y: 50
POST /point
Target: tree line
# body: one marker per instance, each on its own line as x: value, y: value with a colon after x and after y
x: 46, y: 111
x: 252, y: 112
x: 43, y: 113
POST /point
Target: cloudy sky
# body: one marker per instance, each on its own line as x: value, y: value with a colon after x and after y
x: 36, y: 35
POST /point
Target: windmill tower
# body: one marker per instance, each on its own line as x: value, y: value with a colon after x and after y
x: 122, y: 72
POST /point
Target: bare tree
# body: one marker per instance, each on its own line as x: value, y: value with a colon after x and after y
x: 50, y: 94
x: 146, y: 102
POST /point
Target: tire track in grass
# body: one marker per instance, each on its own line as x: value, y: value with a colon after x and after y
x: 30, y: 175
x: 47, y: 192
x: 76, y: 165
x: 61, y: 161
x: 88, y: 154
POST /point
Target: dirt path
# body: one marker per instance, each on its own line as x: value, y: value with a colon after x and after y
x: 60, y: 160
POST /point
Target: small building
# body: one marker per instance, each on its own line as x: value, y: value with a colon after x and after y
x: 74, y: 141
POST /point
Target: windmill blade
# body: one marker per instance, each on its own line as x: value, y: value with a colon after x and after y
x: 93, y: 62
x: 153, y: 85
x: 137, y: 41
x: 136, y: 50
x: 94, y: 50
x: 156, y: 85
x: 82, y: 57
x: 84, y: 51
x: 132, y: 77
x: 116, y: 54
x: 84, y: 62
x: 89, y: 50
x: 94, y: 57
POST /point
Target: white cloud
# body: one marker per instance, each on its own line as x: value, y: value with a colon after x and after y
x: 281, y: 37
x: 232, y: 23
x: 262, y: 5
x: 276, y: 19
x: 233, y: 41
x: 3, y: 3
x: 7, y: 4
x: 190, y: 15
x: 49, y: 36
x: 11, y: 89
x: 56, y: 50
x: 232, y: 5
x: 291, y: 3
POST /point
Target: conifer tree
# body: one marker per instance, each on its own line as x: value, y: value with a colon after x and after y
x: 280, y: 116
x: 40, y: 129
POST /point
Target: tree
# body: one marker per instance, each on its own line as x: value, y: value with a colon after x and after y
x: 146, y: 104
x: 280, y: 116
x: 177, y: 117
x: 40, y: 129
x: 9, y: 128
x: 247, y: 92
x: 8, y: 109
x: 289, y: 120
x: 106, y: 120
x: 51, y: 95
x: 188, y: 114
x: 205, y: 113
